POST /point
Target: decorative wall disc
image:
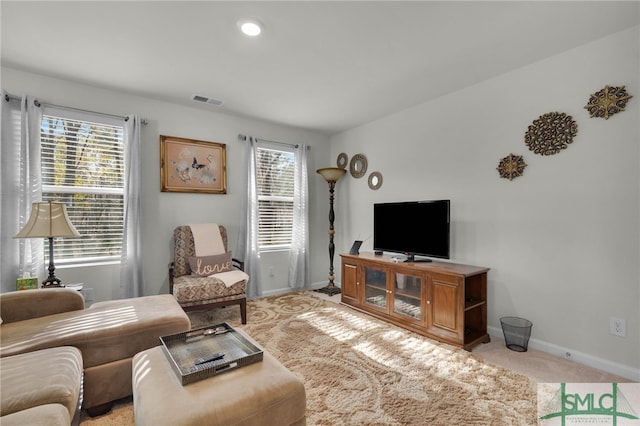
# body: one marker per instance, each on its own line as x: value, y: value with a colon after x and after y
x: 607, y: 101
x: 375, y: 180
x: 343, y: 160
x: 358, y: 165
x: 511, y: 166
x: 551, y: 133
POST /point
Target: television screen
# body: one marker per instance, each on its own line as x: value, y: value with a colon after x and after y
x: 412, y: 228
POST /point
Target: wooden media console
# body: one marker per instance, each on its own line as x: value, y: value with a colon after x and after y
x: 441, y: 300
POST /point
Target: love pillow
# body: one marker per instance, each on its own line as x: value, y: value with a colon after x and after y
x: 203, y: 266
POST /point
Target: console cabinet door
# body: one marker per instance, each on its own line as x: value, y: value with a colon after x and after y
x: 376, y: 292
x: 349, y: 282
x: 407, y: 290
x: 447, y: 313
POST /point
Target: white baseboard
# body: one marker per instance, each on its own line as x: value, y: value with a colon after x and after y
x: 276, y: 292
x: 284, y: 290
x: 576, y: 356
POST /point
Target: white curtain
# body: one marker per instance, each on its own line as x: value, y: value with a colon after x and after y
x: 299, y: 259
x: 131, y: 280
x: 248, y: 239
x: 20, y: 186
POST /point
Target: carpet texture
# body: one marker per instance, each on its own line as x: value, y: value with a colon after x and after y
x: 358, y: 370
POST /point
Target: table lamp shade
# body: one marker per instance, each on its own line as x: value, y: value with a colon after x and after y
x: 48, y: 220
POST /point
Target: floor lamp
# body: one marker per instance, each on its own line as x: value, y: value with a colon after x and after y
x: 48, y: 220
x: 331, y: 175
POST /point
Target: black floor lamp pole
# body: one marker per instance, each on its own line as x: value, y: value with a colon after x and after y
x: 331, y: 175
x: 331, y: 288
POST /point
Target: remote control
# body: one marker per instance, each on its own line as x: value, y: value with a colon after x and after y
x: 214, y: 357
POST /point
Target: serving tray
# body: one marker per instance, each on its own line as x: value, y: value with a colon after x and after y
x: 185, y: 349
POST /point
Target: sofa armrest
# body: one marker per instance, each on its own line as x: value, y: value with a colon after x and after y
x: 26, y: 304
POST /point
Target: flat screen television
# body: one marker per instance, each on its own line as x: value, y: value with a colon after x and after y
x: 415, y: 228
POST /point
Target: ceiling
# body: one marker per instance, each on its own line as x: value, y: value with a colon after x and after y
x: 324, y: 66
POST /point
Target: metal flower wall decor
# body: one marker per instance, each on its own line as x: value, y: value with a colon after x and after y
x: 511, y: 166
x: 551, y: 133
x: 607, y: 101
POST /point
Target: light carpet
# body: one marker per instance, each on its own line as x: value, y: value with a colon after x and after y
x: 361, y: 371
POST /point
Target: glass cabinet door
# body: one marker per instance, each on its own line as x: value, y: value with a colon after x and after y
x: 375, y: 287
x: 407, y: 295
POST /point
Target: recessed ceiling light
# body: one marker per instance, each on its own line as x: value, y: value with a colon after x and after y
x: 250, y: 27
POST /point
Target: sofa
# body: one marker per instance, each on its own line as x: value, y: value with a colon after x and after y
x: 107, y: 334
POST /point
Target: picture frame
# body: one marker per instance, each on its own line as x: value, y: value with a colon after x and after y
x: 189, y: 165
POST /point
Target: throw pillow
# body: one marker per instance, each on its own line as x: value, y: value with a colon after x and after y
x: 203, y: 266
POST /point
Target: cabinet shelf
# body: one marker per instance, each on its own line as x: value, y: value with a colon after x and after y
x: 377, y: 287
x: 472, y: 304
x: 411, y: 295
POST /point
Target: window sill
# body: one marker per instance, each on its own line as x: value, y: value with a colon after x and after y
x: 87, y: 264
x: 274, y: 249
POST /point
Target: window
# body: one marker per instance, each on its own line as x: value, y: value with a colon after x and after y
x: 83, y: 167
x: 275, y: 183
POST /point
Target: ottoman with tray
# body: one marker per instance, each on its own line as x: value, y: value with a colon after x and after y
x: 246, y: 387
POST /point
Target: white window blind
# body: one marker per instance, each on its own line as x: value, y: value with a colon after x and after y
x: 83, y: 167
x: 275, y: 184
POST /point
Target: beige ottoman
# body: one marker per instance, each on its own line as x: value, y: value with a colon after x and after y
x: 264, y: 393
x: 41, y: 388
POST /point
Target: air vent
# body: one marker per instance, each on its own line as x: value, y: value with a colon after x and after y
x: 206, y: 100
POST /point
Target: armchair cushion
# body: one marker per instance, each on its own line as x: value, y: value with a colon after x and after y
x: 204, y: 266
x: 190, y: 291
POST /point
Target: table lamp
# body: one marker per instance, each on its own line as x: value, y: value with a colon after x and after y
x: 48, y: 220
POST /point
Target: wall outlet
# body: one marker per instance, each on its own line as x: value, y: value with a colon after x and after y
x: 618, y: 327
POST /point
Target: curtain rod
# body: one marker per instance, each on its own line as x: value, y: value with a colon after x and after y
x: 244, y: 138
x: 37, y: 103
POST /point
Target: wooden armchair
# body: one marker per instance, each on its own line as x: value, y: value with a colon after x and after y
x: 203, y: 292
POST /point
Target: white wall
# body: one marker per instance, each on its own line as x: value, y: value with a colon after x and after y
x: 562, y: 241
x: 163, y: 211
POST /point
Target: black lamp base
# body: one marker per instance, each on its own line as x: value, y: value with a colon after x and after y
x: 52, y: 281
x: 331, y: 289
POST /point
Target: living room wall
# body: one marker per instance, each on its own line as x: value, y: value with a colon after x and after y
x: 162, y: 211
x: 563, y: 240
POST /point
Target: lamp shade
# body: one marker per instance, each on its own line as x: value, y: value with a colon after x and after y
x: 331, y: 174
x: 48, y: 220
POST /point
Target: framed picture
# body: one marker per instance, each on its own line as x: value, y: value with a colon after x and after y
x: 188, y: 165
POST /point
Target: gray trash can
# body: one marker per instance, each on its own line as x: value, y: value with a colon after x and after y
x: 516, y: 333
